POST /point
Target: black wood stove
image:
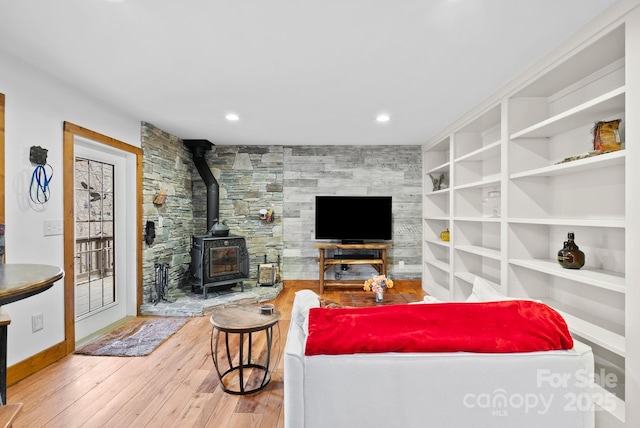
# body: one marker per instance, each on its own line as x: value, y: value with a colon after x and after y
x: 218, y: 260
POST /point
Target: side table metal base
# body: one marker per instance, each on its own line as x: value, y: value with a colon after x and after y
x: 245, y: 373
x: 242, y: 365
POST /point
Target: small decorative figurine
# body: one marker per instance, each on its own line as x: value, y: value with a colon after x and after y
x: 437, y: 182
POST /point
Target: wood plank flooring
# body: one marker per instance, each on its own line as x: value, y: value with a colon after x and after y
x: 174, y: 386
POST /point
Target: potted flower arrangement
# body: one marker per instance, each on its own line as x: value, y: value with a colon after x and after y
x: 378, y: 284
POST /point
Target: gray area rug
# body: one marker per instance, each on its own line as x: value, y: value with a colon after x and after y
x: 135, y: 338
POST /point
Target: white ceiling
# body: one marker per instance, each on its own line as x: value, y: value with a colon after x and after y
x: 295, y: 71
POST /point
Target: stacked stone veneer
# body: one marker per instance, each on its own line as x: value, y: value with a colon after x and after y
x: 346, y: 171
x: 250, y: 179
x: 166, y: 165
x: 285, y: 178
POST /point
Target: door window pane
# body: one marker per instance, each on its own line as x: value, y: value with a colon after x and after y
x: 94, y: 226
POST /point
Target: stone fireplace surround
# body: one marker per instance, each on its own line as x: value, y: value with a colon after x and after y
x: 284, y: 178
x: 251, y: 181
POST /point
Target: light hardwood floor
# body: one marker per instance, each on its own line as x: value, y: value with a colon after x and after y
x: 174, y: 386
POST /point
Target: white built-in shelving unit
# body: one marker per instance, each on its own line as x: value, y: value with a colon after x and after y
x: 516, y: 143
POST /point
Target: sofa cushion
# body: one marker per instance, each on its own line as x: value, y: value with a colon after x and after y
x: 483, y: 292
x: 304, y: 300
x: 492, y: 327
x: 427, y: 299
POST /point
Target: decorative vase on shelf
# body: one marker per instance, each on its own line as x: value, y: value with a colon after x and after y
x: 380, y: 296
x: 570, y: 256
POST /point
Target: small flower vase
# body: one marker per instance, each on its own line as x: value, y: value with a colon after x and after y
x: 380, y: 296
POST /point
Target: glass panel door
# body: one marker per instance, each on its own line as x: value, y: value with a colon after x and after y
x: 95, y: 243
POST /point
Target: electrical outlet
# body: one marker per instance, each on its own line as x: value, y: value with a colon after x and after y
x: 37, y: 322
x: 401, y: 264
x: 52, y: 227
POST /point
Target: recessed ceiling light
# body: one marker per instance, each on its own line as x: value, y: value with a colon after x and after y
x: 383, y: 118
x: 232, y: 117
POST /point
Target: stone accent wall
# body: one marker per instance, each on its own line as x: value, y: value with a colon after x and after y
x: 352, y: 170
x: 250, y: 179
x: 285, y: 178
x: 166, y: 164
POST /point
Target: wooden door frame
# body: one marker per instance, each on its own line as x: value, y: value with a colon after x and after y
x: 52, y: 354
x: 2, y: 163
x: 42, y: 359
x: 70, y: 132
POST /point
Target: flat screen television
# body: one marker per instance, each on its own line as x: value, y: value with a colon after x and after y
x: 354, y: 219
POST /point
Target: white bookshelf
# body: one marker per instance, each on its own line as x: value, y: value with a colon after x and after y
x: 480, y: 251
x: 518, y: 142
x: 436, y: 218
x: 608, y: 280
x: 592, y: 111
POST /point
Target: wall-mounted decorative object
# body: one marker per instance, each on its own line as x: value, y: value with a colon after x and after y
x: 39, y: 190
x: 606, y: 137
x: 38, y: 155
x: 160, y: 197
x: 570, y: 256
x: 266, y: 215
x: 150, y: 232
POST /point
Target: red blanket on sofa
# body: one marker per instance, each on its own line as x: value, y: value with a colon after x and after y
x: 491, y: 327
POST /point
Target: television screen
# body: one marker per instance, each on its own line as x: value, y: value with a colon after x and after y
x: 354, y: 218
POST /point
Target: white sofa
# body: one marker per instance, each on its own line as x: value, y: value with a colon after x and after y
x: 452, y: 389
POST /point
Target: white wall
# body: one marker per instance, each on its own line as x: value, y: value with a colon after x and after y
x: 36, y: 107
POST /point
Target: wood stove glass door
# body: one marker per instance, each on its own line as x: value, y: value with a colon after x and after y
x: 223, y: 260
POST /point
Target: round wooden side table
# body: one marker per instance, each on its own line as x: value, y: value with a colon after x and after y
x: 17, y: 282
x: 251, y: 371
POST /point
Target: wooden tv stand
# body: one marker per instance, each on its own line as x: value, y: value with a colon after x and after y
x: 379, y: 263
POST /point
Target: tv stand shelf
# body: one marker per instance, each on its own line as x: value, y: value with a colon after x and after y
x: 379, y: 263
